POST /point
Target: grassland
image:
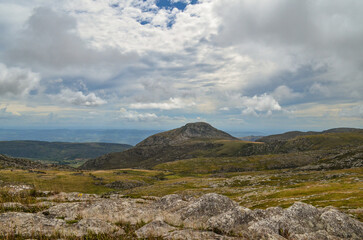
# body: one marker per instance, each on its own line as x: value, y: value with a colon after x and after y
x: 254, y: 189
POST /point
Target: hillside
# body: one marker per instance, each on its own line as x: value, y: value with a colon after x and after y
x: 294, y: 134
x: 7, y: 162
x: 180, y: 143
x: 58, y: 152
x: 330, y: 149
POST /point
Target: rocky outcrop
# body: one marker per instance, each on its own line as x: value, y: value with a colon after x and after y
x: 211, y: 216
x: 20, y: 163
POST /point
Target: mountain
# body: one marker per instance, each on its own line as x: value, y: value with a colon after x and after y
x: 58, y: 152
x: 293, y: 134
x: 180, y: 143
x: 333, y: 148
x: 330, y: 149
x: 177, y: 136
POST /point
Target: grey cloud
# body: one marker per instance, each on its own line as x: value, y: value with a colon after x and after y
x: 310, y: 42
x: 353, y: 112
x: 4, y: 114
x: 50, y: 40
x: 17, y: 81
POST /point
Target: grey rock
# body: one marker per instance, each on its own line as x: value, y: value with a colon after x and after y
x: 207, y: 206
x: 321, y: 235
x: 172, y: 202
x: 219, y: 216
x: 28, y: 224
x: 12, y: 205
x: 230, y: 221
x: 85, y: 226
x: 154, y: 229
x: 189, y: 234
x: 341, y: 225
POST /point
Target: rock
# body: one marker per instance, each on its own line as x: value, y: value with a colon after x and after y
x: 341, y: 225
x: 190, y: 234
x: 208, y: 205
x: 321, y: 235
x: 217, y: 215
x: 230, y: 221
x: 12, y: 205
x: 85, y: 226
x: 28, y: 224
x: 172, y: 202
x: 154, y: 229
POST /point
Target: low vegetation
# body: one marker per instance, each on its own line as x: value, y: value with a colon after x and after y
x: 254, y: 189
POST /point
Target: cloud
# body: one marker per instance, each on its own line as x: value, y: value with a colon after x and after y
x: 4, y: 114
x: 136, y: 116
x: 51, y: 43
x: 320, y: 90
x: 259, y: 104
x: 258, y: 57
x: 285, y: 94
x: 79, y: 98
x: 173, y: 103
x: 353, y: 112
x: 17, y: 81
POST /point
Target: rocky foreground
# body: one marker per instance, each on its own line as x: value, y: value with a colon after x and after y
x: 211, y: 216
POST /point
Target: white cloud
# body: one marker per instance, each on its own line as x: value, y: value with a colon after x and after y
x: 17, y: 81
x: 173, y: 103
x: 259, y: 104
x: 79, y: 98
x: 281, y: 54
x: 51, y: 43
x: 136, y: 116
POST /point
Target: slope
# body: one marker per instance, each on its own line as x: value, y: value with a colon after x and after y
x: 180, y: 143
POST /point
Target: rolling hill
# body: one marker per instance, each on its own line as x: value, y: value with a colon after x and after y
x: 58, y: 152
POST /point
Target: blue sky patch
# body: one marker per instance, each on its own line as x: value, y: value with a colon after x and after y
x: 168, y: 4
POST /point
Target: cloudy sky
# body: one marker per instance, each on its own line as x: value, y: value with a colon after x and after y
x: 158, y: 64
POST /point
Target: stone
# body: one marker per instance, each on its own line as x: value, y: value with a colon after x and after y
x: 154, y: 229
x: 208, y: 205
x: 85, y: 226
x: 341, y: 225
x: 189, y: 234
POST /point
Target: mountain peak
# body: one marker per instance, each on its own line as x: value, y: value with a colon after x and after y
x: 182, y: 134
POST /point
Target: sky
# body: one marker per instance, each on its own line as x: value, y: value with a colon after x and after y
x: 158, y: 64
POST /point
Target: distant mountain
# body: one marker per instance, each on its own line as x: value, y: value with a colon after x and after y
x: 250, y: 138
x: 293, y: 134
x: 167, y: 146
x: 58, y: 152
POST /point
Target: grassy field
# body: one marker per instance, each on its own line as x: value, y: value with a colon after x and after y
x: 254, y: 189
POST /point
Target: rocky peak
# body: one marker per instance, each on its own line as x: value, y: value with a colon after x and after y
x: 189, y: 131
